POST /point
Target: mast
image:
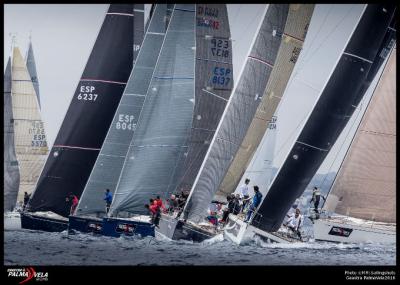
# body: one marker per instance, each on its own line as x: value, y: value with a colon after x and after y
x: 239, y: 111
x: 293, y: 37
x: 31, y: 65
x: 11, y: 169
x: 365, y: 186
x: 109, y: 163
x: 89, y: 115
x: 329, y: 116
x: 213, y: 85
x: 164, y: 124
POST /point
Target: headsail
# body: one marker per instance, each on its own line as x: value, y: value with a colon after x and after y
x: 108, y: 166
x: 161, y: 134
x: 329, y: 116
x: 293, y: 37
x: 11, y: 169
x: 365, y: 186
x: 89, y: 115
x: 214, y: 83
x: 31, y: 65
x: 30, y: 137
x: 239, y: 111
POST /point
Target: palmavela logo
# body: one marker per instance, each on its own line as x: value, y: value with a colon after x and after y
x: 27, y: 274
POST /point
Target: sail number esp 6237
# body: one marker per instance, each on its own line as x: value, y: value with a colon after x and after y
x: 87, y: 93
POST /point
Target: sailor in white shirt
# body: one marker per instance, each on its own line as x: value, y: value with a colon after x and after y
x: 244, y: 193
x: 295, y: 222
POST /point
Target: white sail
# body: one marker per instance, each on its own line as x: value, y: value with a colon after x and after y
x: 365, y: 186
x: 296, y: 27
x: 30, y: 138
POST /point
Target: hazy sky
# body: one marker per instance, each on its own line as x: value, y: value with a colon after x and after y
x: 63, y: 36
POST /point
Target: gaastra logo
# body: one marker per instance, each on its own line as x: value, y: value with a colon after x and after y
x: 28, y: 274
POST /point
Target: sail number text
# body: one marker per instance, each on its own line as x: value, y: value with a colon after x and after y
x: 221, y: 76
x: 39, y: 137
x: 220, y: 47
x: 125, y: 122
x: 86, y: 93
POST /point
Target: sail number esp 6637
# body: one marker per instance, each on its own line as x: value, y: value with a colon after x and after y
x: 87, y: 93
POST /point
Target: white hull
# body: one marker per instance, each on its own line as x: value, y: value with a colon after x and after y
x: 348, y: 232
x: 239, y: 232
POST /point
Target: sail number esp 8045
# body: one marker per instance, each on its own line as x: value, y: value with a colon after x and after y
x: 86, y: 93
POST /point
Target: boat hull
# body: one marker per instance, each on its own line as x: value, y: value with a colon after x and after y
x: 85, y: 224
x: 175, y: 229
x: 328, y: 230
x: 239, y: 232
x: 114, y: 227
x: 31, y: 221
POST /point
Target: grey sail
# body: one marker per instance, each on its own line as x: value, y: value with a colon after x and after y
x: 164, y: 125
x: 108, y: 166
x: 365, y: 186
x: 11, y: 169
x: 138, y: 29
x: 239, y: 112
x: 213, y: 85
x: 295, y: 32
x: 31, y: 65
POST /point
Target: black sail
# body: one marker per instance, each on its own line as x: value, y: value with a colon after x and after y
x: 338, y: 100
x: 89, y: 115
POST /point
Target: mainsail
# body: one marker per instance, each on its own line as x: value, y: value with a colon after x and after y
x: 239, y: 111
x: 160, y: 139
x: 293, y: 37
x: 213, y: 85
x: 108, y: 166
x: 329, y: 116
x: 11, y: 169
x: 365, y: 186
x: 31, y: 65
x: 30, y: 138
x: 89, y: 115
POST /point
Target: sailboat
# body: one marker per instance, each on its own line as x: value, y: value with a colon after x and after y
x: 91, y: 209
x: 11, y: 168
x: 363, y: 196
x: 213, y: 86
x: 85, y: 124
x: 160, y: 138
x: 293, y: 36
x: 324, y: 124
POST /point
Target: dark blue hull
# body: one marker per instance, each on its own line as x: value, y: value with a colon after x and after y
x: 31, y: 221
x: 85, y: 225
x: 177, y: 229
x: 116, y: 227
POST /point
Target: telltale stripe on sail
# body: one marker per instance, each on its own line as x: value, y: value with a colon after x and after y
x: 184, y: 10
x: 110, y: 155
x: 217, y: 37
x: 77, y: 147
x: 262, y: 61
x: 161, y: 145
x: 154, y: 33
x: 138, y: 10
x: 377, y: 133
x: 173, y: 77
x: 214, y: 95
x: 359, y: 57
x: 23, y: 80
x: 293, y: 37
x: 120, y: 14
x: 203, y: 129
x: 312, y: 146
x: 213, y: 60
x: 104, y: 81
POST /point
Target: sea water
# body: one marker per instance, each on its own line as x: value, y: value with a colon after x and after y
x: 23, y: 246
